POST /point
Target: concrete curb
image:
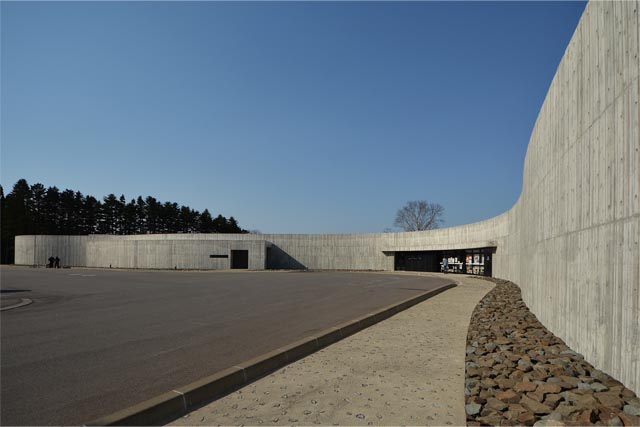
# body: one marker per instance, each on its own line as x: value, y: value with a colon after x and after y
x: 25, y: 301
x: 175, y: 403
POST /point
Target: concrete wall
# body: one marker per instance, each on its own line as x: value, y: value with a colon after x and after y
x: 164, y: 252
x: 314, y: 251
x: 570, y: 242
x: 573, y: 236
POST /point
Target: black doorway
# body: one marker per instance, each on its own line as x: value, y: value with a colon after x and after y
x: 487, y: 264
x: 239, y: 259
x: 417, y: 261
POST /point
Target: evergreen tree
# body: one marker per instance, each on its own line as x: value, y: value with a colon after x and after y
x: 219, y: 225
x: 206, y: 222
x: 129, y: 223
x: 38, y: 192
x: 109, y: 219
x: 194, y: 221
x: 170, y: 217
x: 232, y: 226
x: 19, y: 212
x: 52, y: 211
x: 152, y: 214
x: 92, y: 212
x: 185, y: 220
x: 68, y: 218
x: 141, y: 216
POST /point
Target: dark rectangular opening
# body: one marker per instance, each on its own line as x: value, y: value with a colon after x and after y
x: 239, y: 259
x: 218, y: 256
x: 465, y: 261
x: 416, y: 261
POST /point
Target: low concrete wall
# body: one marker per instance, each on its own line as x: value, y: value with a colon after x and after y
x: 286, y: 251
x: 570, y: 242
x: 163, y: 252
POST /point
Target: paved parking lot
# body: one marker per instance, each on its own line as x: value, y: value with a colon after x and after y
x: 96, y: 341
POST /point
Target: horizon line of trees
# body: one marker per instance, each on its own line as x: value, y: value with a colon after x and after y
x: 36, y: 209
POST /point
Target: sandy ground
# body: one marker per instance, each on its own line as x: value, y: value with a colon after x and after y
x: 407, y: 370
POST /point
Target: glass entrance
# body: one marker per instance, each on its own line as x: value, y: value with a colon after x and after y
x: 463, y: 261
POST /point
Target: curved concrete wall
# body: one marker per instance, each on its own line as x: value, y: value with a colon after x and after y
x: 570, y: 242
x: 573, y: 236
x: 313, y: 251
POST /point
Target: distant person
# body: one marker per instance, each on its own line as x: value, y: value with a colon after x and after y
x: 57, y: 262
x: 51, y: 261
x: 445, y: 265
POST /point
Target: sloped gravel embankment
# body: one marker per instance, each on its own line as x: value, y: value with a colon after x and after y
x: 519, y: 373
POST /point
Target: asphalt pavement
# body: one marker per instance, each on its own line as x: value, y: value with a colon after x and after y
x: 97, y: 341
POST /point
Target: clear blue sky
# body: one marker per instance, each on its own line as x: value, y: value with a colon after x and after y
x: 292, y: 117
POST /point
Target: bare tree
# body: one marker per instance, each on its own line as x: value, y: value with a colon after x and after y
x: 418, y: 215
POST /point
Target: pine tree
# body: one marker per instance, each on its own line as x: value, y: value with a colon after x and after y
x: 206, y: 222
x: 141, y: 217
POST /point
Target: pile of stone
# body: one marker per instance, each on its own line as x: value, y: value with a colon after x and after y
x: 519, y: 373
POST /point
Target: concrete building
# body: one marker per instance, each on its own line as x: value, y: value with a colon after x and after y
x: 570, y: 241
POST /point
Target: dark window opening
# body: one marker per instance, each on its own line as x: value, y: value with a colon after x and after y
x: 239, y: 259
x: 465, y: 261
x: 218, y: 256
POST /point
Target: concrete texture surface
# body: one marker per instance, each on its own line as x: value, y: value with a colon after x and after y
x: 9, y: 302
x: 571, y: 241
x: 406, y: 370
x: 98, y: 341
x: 13, y: 303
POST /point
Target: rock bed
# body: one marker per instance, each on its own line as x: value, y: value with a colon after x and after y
x: 519, y: 373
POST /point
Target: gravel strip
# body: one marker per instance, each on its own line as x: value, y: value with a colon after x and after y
x: 519, y: 373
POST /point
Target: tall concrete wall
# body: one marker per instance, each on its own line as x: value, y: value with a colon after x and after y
x: 573, y: 236
x: 570, y: 242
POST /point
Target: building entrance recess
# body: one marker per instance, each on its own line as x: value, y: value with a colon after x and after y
x: 464, y: 261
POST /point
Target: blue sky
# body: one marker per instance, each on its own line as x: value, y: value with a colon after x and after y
x: 292, y: 117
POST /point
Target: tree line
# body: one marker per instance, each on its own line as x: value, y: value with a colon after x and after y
x: 36, y: 209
